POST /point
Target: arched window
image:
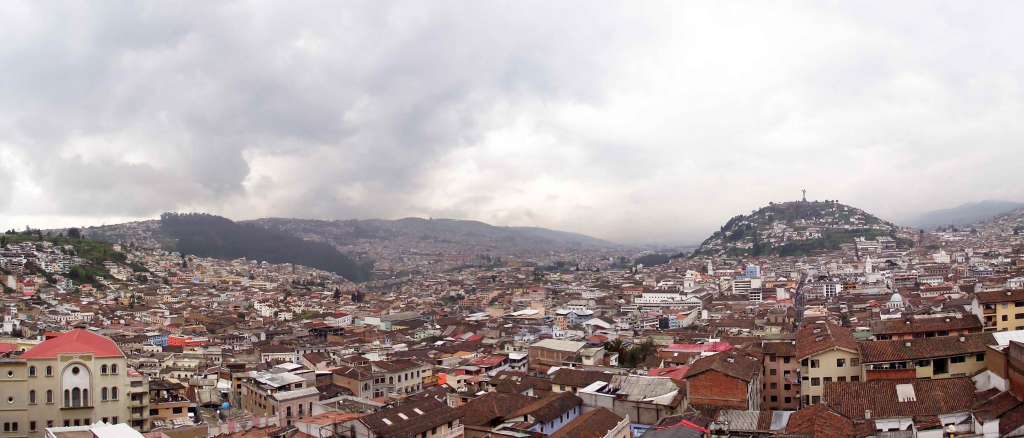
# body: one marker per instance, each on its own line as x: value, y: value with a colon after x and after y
x: 76, y: 397
x: 85, y: 397
x: 67, y: 398
x: 49, y: 396
x: 103, y: 393
x: 103, y: 369
x: 113, y: 393
x: 32, y: 371
x: 113, y: 368
x: 32, y: 396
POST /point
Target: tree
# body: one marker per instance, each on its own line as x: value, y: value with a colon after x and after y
x: 74, y: 233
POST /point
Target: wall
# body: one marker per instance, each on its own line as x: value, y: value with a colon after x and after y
x: 712, y: 388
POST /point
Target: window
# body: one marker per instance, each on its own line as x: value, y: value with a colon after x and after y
x: 787, y: 387
x: 815, y: 399
x: 788, y: 400
x: 815, y: 381
x: 113, y: 393
x: 32, y: 397
x: 103, y: 393
x: 841, y: 379
x: 855, y: 361
x: 840, y: 363
x: 32, y: 371
x: 773, y: 372
x: 32, y: 426
x: 980, y: 357
x: 106, y: 419
x: 828, y: 379
x: 49, y: 396
x: 114, y: 420
x: 1006, y: 317
x: 924, y: 363
x: 49, y: 371
x: 113, y: 368
x: 803, y: 363
x: 7, y: 427
x: 854, y: 378
x: 153, y: 412
x: 814, y: 363
x: 785, y: 359
x: 49, y: 423
x: 103, y: 369
x: 774, y: 385
x: 176, y: 410
x: 958, y: 359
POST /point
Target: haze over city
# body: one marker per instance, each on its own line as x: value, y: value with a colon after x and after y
x: 636, y: 122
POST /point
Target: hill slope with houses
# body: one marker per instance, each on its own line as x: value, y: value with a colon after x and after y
x: 794, y: 229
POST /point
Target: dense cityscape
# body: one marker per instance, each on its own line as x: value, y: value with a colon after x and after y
x: 910, y: 332
x: 511, y: 219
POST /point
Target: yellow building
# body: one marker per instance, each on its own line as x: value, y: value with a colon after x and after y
x: 925, y: 358
x: 77, y: 378
x: 827, y: 353
x: 999, y: 310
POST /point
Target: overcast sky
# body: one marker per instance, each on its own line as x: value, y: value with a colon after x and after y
x: 632, y: 121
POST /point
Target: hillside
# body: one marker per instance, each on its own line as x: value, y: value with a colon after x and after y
x: 89, y: 255
x: 966, y: 214
x: 335, y: 245
x: 441, y: 231
x: 793, y: 229
x: 206, y: 235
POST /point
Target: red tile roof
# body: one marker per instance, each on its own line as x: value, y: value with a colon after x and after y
x: 75, y: 341
x: 816, y: 338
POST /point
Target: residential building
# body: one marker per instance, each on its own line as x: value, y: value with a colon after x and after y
x: 827, y: 353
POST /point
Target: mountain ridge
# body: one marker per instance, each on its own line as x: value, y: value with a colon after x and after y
x: 964, y: 214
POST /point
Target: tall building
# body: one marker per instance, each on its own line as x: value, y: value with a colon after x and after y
x: 75, y: 379
x: 827, y: 353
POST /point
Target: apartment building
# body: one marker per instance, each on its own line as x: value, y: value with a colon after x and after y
x: 827, y: 353
x: 780, y: 378
x: 926, y: 358
x: 999, y: 310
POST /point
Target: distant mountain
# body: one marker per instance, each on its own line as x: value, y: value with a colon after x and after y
x: 207, y: 235
x: 340, y: 246
x: 966, y: 214
x: 467, y: 233
x: 793, y: 229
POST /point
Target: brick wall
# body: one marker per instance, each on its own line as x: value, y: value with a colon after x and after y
x: 712, y: 388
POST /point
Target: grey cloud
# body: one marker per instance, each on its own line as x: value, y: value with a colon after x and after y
x: 629, y: 121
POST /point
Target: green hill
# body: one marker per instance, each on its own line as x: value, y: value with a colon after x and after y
x: 794, y: 229
x: 207, y: 235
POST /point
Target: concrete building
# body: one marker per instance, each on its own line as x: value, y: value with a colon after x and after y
x: 827, y: 353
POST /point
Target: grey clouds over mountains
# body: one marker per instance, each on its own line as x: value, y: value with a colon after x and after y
x: 628, y: 121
